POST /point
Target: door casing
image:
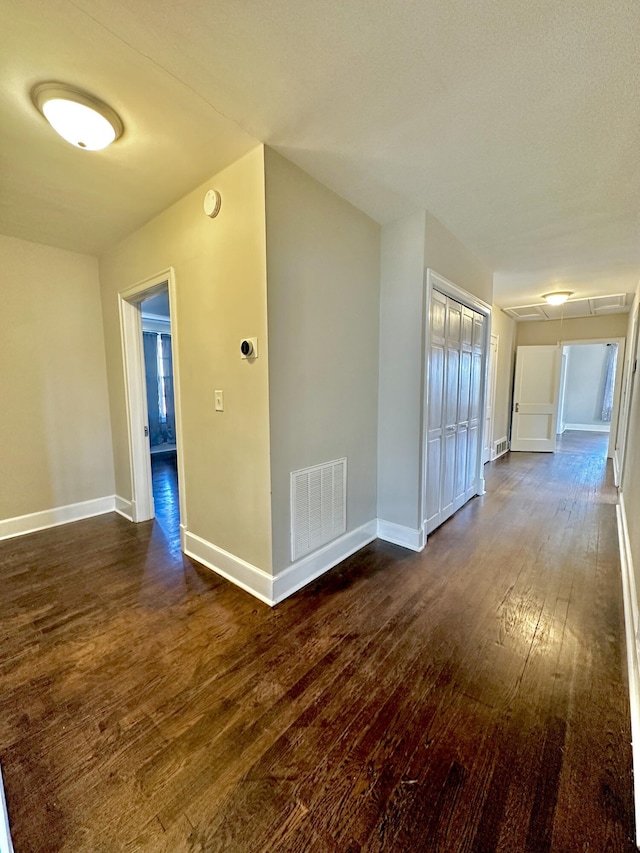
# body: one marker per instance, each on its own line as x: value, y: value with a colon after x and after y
x: 489, y: 419
x: 129, y: 303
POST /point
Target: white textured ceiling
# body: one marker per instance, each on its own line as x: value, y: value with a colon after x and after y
x: 515, y: 123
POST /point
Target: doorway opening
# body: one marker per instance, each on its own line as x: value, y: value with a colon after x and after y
x: 158, y: 363
x: 587, y: 386
x: 590, y: 385
x: 152, y: 391
x: 570, y: 387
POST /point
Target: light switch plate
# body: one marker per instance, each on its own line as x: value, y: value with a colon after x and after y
x: 219, y: 401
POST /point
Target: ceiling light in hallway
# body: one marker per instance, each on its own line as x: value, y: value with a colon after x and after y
x: 558, y: 297
x: 78, y: 117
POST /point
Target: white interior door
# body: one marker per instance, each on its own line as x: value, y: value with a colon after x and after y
x: 142, y: 507
x: 535, y: 398
x: 560, y: 427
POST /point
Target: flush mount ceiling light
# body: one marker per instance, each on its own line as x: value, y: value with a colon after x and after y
x: 558, y: 297
x: 78, y: 117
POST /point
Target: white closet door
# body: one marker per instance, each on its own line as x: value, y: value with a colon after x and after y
x: 475, y: 414
x: 464, y: 390
x: 452, y: 379
x: 453, y: 407
x: 435, y: 411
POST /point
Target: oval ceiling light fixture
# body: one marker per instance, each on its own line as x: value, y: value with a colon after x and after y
x: 558, y: 297
x: 77, y: 116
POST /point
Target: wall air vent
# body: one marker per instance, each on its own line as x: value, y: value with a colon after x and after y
x: 318, y: 506
x: 500, y: 447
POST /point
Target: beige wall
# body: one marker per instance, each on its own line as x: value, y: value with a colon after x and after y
x: 505, y: 327
x: 220, y: 273
x: 323, y: 260
x: 55, y: 430
x: 447, y: 256
x: 400, y: 381
x: 409, y: 247
x: 549, y: 332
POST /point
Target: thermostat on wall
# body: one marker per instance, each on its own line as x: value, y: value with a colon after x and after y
x: 249, y: 348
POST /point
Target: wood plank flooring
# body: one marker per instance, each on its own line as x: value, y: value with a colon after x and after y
x: 469, y: 698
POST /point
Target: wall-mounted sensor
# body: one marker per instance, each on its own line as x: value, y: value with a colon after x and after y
x: 212, y: 202
x: 249, y: 348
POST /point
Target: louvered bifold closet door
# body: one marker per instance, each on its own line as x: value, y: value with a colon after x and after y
x: 453, y: 407
x: 475, y: 398
x: 464, y: 388
x: 435, y: 409
x: 453, y: 328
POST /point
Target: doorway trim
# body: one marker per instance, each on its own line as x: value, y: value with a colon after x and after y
x: 129, y: 304
x: 488, y: 450
x: 434, y: 281
x: 630, y: 364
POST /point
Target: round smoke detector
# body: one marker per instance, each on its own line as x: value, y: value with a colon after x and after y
x: 212, y: 202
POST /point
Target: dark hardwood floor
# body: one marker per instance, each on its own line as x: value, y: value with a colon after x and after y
x: 164, y: 476
x: 469, y: 698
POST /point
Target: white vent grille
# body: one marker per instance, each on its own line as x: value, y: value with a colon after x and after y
x: 501, y: 446
x: 318, y: 506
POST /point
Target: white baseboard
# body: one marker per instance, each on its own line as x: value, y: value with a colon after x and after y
x: 238, y: 571
x: 400, y: 535
x: 589, y: 427
x: 22, y: 524
x: 631, y: 633
x: 275, y: 588
x: 5, y: 835
x: 307, y: 569
x: 124, y: 508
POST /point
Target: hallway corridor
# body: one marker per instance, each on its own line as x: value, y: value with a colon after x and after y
x: 469, y: 698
